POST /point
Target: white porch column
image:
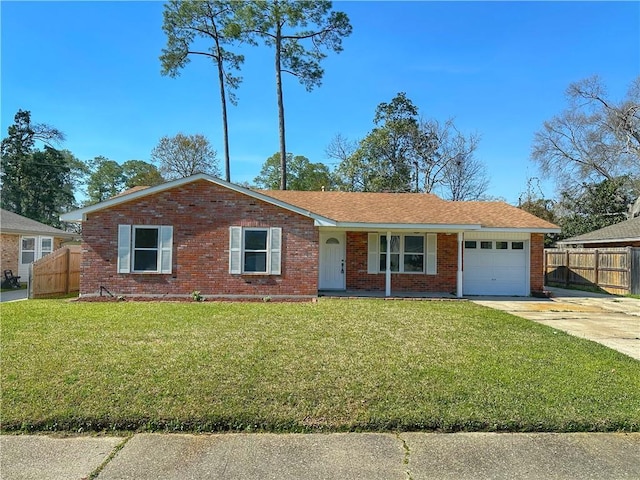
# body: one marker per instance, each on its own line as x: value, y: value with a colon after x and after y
x: 459, y: 274
x: 387, y: 277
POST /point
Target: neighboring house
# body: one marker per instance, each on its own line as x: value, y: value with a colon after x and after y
x: 203, y: 234
x: 24, y: 240
x: 623, y: 234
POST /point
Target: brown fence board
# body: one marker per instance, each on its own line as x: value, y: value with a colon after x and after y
x: 56, y: 274
x: 614, y: 270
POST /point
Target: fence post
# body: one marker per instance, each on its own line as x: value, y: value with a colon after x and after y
x: 68, y: 273
x: 566, y: 269
x: 596, y: 266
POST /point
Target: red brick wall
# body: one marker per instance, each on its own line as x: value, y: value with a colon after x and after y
x: 536, y: 269
x: 201, y: 214
x: 10, y: 247
x: 443, y: 281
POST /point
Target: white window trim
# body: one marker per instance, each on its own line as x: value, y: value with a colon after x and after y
x: 126, y: 249
x: 430, y: 253
x: 237, y: 250
x: 38, y: 250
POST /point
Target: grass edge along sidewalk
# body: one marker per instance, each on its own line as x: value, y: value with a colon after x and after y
x: 330, y: 366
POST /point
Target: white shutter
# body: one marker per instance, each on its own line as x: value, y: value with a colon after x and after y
x: 373, y: 264
x: 432, y: 254
x: 166, y: 248
x: 124, y: 249
x: 275, y: 250
x: 235, y: 250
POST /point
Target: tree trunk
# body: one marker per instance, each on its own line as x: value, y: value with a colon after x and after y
x: 223, y: 102
x: 283, y: 148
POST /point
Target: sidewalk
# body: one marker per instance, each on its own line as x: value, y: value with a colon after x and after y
x: 370, y: 456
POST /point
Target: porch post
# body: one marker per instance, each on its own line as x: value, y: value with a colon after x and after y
x: 459, y: 274
x: 387, y: 277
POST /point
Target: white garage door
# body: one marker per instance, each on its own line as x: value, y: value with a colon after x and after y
x: 495, y: 267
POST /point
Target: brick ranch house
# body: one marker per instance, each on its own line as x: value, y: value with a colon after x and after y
x: 203, y: 234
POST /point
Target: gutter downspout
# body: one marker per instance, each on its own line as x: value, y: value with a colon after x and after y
x: 387, y: 280
x: 459, y: 274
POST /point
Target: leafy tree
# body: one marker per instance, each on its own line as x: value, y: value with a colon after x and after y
x: 106, y: 180
x: 594, y: 139
x: 186, y: 20
x: 287, y: 25
x: 595, y: 206
x: 37, y: 184
x: 48, y: 189
x: 140, y: 173
x: 383, y: 159
x: 185, y: 155
x: 403, y: 154
x: 303, y: 175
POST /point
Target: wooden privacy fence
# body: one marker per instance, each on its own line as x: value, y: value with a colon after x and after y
x: 56, y: 274
x: 615, y: 270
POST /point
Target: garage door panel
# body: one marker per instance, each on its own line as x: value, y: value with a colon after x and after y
x: 495, y: 271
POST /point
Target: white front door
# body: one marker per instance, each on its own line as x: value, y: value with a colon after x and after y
x: 332, y: 261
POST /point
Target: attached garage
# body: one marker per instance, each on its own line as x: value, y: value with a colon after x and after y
x: 496, y: 264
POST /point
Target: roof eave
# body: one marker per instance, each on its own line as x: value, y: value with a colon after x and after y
x: 521, y: 229
x: 354, y: 226
x: 17, y: 231
x: 569, y: 241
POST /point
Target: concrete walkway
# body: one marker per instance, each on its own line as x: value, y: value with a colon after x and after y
x: 607, y: 319
x: 370, y: 456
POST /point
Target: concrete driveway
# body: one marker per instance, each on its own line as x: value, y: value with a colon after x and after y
x: 12, y: 295
x: 607, y: 319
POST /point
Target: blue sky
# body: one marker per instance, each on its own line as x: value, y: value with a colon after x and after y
x: 498, y: 68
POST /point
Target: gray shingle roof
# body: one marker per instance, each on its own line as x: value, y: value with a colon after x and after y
x: 627, y: 230
x: 13, y: 223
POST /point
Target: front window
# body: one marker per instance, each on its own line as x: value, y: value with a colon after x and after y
x: 145, y: 249
x: 407, y: 253
x: 255, y: 250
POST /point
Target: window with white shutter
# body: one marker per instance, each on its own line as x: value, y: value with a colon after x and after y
x: 255, y: 250
x: 145, y: 248
x: 410, y: 253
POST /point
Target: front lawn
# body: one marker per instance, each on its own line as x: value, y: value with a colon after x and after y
x: 335, y: 365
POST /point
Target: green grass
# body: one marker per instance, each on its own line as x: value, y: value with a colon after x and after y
x: 335, y: 365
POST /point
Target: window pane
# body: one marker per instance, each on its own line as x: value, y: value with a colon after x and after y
x: 255, y: 240
x: 255, y: 262
x: 414, y: 244
x: 145, y: 260
x: 486, y: 245
x: 517, y: 245
x: 395, y: 243
x: 28, y: 243
x: 414, y: 263
x: 146, y: 238
x: 502, y: 245
x: 28, y: 257
x: 46, y: 244
x: 470, y: 244
x: 395, y: 262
